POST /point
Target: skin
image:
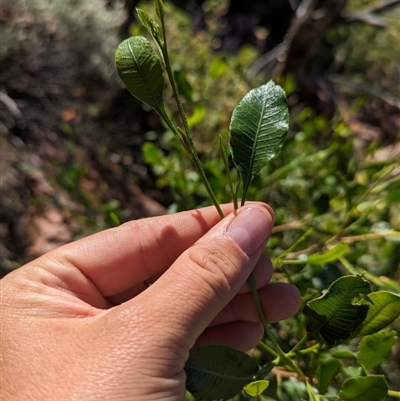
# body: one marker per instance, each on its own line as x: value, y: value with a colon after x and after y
x: 82, y: 322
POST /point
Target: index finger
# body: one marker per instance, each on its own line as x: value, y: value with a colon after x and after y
x: 120, y: 258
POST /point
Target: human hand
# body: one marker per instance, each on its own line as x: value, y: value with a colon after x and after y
x: 82, y: 323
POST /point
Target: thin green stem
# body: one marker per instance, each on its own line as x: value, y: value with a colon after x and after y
x: 278, y: 260
x: 224, y: 155
x: 267, y: 348
x: 394, y: 394
x: 283, y: 358
x: 186, y: 137
x: 299, y: 344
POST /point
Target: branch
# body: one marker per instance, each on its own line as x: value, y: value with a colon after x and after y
x: 367, y: 14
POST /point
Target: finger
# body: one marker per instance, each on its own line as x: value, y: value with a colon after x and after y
x: 240, y: 335
x: 117, y: 259
x: 262, y: 274
x: 279, y: 300
x: 207, y: 276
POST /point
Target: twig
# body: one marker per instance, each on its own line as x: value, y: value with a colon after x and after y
x: 367, y: 14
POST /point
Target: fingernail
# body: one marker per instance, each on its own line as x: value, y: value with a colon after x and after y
x: 250, y: 228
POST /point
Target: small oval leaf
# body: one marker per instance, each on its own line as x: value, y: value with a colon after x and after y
x: 256, y: 388
x: 326, y: 372
x: 218, y: 372
x: 375, y: 349
x: 369, y: 388
x: 258, y: 128
x: 141, y: 71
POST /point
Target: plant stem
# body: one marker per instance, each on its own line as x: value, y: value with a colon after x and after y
x: 267, y: 348
x: 299, y: 344
x: 304, y: 351
x: 283, y: 358
x: 187, y: 137
x: 394, y: 394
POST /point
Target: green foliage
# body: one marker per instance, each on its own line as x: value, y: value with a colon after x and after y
x: 258, y: 128
x: 337, y: 220
x: 141, y: 71
x: 218, y: 372
x: 336, y: 315
x: 383, y: 309
x: 368, y: 53
x: 371, y: 388
x: 375, y: 349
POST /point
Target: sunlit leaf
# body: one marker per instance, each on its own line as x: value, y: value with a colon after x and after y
x: 215, y: 372
x: 375, y: 349
x: 329, y: 256
x: 256, y: 388
x: 149, y: 23
x: 152, y: 154
x: 369, y: 388
x: 385, y: 308
x: 159, y: 6
x: 258, y: 128
x: 218, y: 67
x: 184, y: 87
x: 326, y: 372
x: 141, y: 71
x: 335, y: 316
x: 199, y: 112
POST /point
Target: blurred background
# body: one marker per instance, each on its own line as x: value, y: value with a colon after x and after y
x: 80, y: 154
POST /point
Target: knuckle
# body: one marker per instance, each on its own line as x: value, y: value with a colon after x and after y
x: 213, y: 266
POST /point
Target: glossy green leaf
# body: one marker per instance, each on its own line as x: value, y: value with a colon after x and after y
x: 215, y: 372
x: 335, y: 315
x: 258, y: 128
x: 149, y: 23
x: 256, y: 388
x: 369, y: 388
x: 375, y: 349
x: 332, y: 254
x: 141, y: 71
x: 326, y: 372
x: 383, y: 309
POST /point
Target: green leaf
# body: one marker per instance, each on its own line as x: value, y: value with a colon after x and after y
x: 199, y: 112
x: 141, y: 71
x: 215, y: 372
x: 256, y: 388
x: 218, y: 67
x: 149, y: 23
x: 375, y: 349
x: 258, y: 128
x: 325, y: 373
x: 335, y: 316
x: 370, y: 388
x: 152, y: 154
x: 343, y: 352
x: 384, y: 308
x: 159, y: 6
x: 332, y: 254
x: 184, y: 87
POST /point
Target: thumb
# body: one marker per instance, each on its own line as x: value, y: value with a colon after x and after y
x: 203, y: 280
